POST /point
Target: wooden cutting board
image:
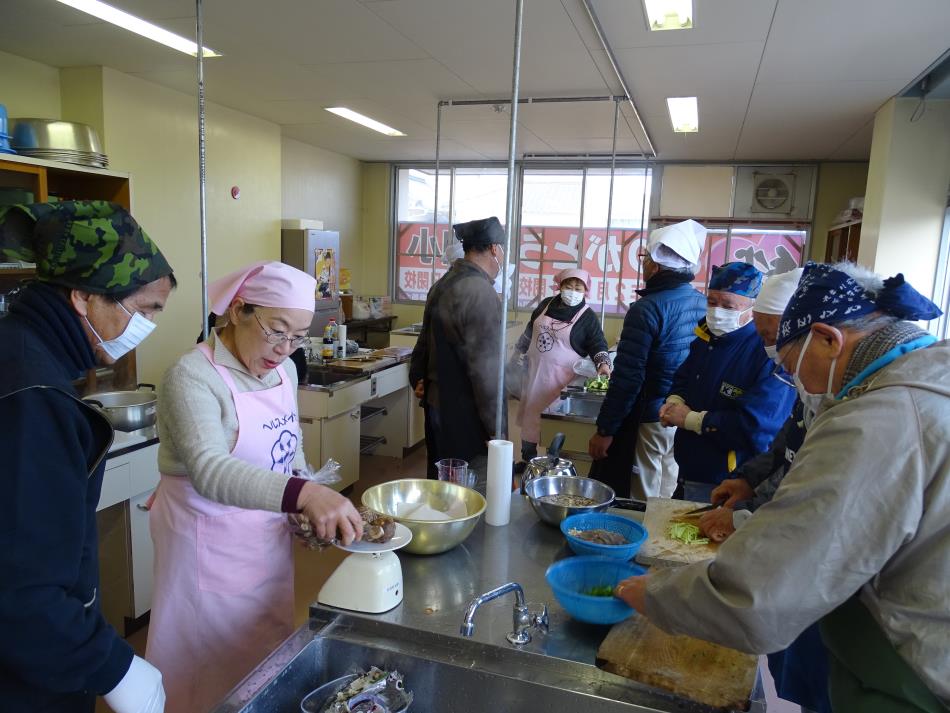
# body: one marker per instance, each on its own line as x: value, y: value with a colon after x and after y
x: 659, y: 548
x: 698, y: 670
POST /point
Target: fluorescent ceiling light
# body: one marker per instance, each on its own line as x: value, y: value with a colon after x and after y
x: 669, y: 14
x: 684, y: 113
x: 364, y: 120
x: 138, y: 26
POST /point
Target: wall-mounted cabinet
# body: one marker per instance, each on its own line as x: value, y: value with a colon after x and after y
x: 843, y: 242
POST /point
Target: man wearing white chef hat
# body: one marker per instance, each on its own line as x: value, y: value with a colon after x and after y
x: 657, y: 332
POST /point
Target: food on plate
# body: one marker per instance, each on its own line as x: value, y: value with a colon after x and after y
x: 566, y: 500
x: 599, y: 537
x: 602, y: 590
x: 377, y: 527
x: 598, y: 383
x: 687, y: 533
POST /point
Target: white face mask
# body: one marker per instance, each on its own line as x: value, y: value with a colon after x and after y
x: 134, y: 334
x: 812, y: 402
x: 499, y: 281
x: 722, y: 321
x: 571, y: 298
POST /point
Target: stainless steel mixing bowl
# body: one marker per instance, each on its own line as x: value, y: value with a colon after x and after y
x: 429, y: 537
x: 54, y: 134
x: 601, y: 494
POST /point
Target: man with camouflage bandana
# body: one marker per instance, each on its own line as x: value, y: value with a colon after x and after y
x: 100, y: 280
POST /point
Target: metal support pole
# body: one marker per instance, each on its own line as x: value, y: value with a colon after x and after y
x: 435, y: 206
x: 643, y: 217
x: 509, y: 218
x: 610, y: 211
x: 202, y: 169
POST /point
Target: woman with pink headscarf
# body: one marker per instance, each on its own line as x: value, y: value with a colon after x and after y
x: 562, y: 328
x: 230, y: 443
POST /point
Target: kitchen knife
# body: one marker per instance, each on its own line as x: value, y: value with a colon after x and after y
x: 705, y: 508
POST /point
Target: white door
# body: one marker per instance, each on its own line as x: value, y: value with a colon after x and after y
x: 340, y: 439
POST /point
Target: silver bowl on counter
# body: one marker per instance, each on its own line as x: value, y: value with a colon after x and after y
x: 127, y: 410
x: 566, y: 485
x: 429, y: 537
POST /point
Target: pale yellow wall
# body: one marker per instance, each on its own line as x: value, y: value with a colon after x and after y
x: 907, y: 191
x: 697, y: 190
x: 28, y: 88
x: 837, y: 183
x: 81, y: 97
x: 327, y: 186
x: 151, y: 132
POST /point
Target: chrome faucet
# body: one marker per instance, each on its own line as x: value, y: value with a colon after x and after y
x: 522, y: 618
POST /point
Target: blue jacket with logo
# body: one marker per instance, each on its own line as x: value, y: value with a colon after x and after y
x: 732, y: 379
x: 657, y: 331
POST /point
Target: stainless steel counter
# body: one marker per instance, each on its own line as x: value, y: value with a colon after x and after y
x: 421, y: 637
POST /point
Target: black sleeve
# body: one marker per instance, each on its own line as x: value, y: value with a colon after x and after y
x: 757, y: 470
x: 587, y: 338
x: 52, y: 637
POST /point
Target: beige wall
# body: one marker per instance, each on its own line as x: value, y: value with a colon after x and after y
x: 837, y: 182
x: 325, y: 186
x: 907, y: 191
x: 151, y: 132
x: 28, y: 88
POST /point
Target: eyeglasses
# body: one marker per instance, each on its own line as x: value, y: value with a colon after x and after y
x: 279, y: 338
x: 642, y: 253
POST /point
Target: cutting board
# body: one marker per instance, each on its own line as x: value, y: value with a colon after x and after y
x: 659, y: 547
x: 703, y: 672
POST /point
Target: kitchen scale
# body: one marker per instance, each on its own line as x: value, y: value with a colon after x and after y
x: 370, y: 578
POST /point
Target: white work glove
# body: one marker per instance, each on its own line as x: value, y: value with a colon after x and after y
x: 139, y: 691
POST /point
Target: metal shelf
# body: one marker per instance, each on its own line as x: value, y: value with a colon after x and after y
x: 369, y: 412
x: 369, y: 443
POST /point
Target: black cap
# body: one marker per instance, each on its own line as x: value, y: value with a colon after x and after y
x: 480, y: 233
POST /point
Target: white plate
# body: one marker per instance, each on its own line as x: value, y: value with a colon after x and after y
x: 402, y: 538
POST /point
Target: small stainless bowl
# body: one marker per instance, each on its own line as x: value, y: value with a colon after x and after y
x: 601, y: 494
x: 429, y: 537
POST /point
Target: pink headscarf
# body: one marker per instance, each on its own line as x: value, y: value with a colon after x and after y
x: 266, y: 284
x: 570, y: 272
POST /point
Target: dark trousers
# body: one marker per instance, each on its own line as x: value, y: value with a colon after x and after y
x: 617, y: 468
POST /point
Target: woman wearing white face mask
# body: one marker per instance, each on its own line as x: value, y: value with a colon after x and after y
x: 101, y: 281
x: 561, y: 329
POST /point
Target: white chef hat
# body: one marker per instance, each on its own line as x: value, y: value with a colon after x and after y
x: 777, y: 291
x: 677, y: 246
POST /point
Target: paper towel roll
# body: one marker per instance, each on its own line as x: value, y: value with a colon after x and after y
x: 498, y: 490
x: 341, y: 342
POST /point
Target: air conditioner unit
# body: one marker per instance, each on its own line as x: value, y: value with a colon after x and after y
x: 774, y: 192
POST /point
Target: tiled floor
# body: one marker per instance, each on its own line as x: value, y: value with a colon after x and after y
x: 312, y: 568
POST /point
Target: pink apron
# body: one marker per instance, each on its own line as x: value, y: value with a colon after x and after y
x: 550, y: 368
x: 224, y: 576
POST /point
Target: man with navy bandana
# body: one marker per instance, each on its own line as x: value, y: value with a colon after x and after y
x: 726, y: 401
x: 856, y: 536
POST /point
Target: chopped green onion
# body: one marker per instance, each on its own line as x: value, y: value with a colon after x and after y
x: 687, y: 533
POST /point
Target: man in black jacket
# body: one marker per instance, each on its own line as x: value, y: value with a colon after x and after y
x: 454, y: 366
x: 100, y: 280
x: 657, y: 332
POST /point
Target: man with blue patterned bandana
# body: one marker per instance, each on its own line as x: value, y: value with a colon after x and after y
x: 726, y: 402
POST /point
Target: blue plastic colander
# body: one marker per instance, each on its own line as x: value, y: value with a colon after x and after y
x: 631, y: 530
x: 570, y: 578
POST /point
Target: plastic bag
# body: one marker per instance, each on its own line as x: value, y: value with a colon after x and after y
x: 516, y: 371
x: 300, y: 524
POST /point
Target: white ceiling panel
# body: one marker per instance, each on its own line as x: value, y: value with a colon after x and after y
x: 850, y: 40
x: 798, y: 78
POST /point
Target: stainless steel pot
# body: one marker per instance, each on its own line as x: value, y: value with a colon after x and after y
x: 550, y: 464
x: 127, y: 410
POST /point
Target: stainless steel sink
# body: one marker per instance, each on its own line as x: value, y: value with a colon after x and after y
x: 581, y: 407
x: 444, y: 673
